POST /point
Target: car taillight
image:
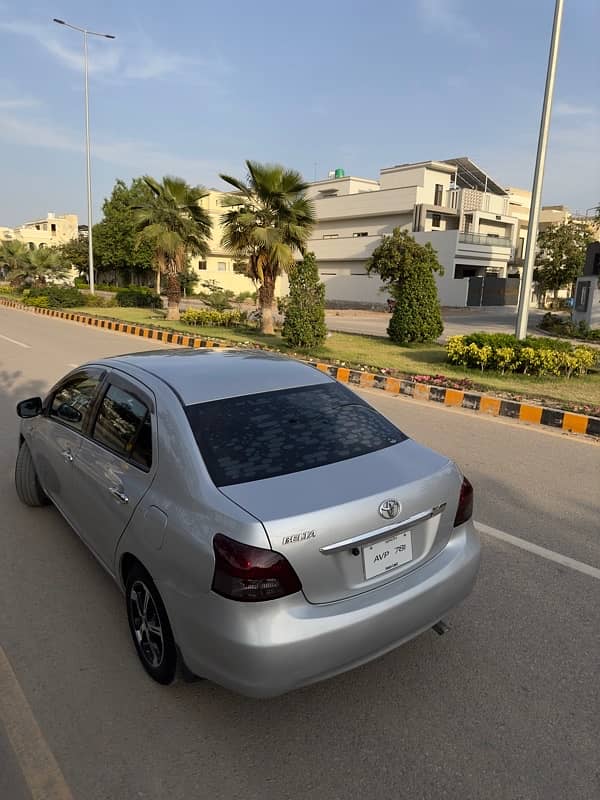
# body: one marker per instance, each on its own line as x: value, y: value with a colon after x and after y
x: 250, y: 573
x: 464, y: 511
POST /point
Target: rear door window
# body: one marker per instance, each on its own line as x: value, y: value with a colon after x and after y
x: 73, y: 399
x: 123, y: 425
x: 264, y: 435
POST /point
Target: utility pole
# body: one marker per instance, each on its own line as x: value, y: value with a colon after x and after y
x: 538, y: 179
x: 88, y: 160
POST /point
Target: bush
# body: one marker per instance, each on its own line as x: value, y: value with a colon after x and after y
x: 407, y: 271
x: 41, y: 301
x: 212, y: 317
x: 566, y: 327
x: 304, y: 324
x: 137, y: 297
x: 533, y: 356
x: 97, y: 301
x: 57, y: 296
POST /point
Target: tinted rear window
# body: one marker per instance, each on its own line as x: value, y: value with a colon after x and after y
x: 260, y: 436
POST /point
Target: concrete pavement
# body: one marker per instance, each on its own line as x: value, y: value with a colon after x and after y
x: 457, y: 322
x: 504, y: 706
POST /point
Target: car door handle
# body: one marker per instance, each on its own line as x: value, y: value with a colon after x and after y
x: 67, y: 455
x: 118, y: 495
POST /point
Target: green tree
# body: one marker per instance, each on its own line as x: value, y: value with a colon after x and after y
x: 38, y: 267
x: 116, y: 246
x: 268, y: 221
x: 175, y: 226
x: 304, y: 325
x: 406, y: 269
x: 14, y: 256
x: 74, y: 253
x: 561, y: 255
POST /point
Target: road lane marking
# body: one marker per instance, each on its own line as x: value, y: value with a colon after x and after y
x: 551, y: 555
x: 39, y: 767
x: 14, y: 341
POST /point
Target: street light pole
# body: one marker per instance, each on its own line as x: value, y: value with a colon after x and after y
x: 538, y: 179
x: 88, y: 170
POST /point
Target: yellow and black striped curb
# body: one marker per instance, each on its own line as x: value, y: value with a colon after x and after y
x: 121, y: 327
x: 457, y: 398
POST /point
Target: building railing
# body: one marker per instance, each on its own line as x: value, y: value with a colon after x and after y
x: 483, y: 238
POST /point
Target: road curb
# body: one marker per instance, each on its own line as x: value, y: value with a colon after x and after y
x: 566, y: 421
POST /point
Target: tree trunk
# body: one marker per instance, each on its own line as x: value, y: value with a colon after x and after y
x: 158, y: 281
x: 173, y: 296
x: 266, y: 294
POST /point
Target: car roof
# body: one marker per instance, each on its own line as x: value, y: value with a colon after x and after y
x: 202, y: 375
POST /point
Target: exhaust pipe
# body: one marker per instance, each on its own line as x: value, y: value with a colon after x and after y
x: 440, y: 627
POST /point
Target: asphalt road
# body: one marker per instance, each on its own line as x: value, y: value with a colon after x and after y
x: 456, y: 321
x: 504, y: 706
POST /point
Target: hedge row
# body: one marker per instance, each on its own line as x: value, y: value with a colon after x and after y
x: 566, y: 327
x: 211, y: 316
x: 530, y: 356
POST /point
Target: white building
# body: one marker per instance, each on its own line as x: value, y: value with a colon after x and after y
x: 453, y: 204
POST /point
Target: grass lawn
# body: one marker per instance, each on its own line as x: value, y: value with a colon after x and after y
x: 374, y: 352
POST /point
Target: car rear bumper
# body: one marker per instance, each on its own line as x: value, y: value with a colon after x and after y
x: 267, y: 649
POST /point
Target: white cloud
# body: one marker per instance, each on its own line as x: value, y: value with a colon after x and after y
x: 105, y: 59
x: 135, y: 59
x: 139, y: 155
x: 445, y: 16
x: 574, y: 110
x: 18, y: 102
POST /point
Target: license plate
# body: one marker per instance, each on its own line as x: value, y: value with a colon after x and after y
x: 387, y: 554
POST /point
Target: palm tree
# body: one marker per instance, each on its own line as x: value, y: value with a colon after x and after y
x: 268, y: 222
x: 14, y: 255
x: 31, y: 267
x: 176, y: 226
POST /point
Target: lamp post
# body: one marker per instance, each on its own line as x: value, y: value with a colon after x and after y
x: 87, y: 33
x: 538, y: 178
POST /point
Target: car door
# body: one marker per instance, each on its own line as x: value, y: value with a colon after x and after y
x: 116, y: 464
x: 56, y: 439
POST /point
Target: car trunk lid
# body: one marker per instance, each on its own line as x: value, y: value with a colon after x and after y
x: 327, y: 521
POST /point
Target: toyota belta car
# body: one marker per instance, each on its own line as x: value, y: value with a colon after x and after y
x: 268, y: 527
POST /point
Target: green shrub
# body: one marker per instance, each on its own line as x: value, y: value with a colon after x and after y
x: 531, y: 356
x: 566, y: 327
x: 40, y: 301
x: 304, y: 324
x: 97, y: 301
x: 57, y: 296
x: 212, y: 317
x: 138, y: 297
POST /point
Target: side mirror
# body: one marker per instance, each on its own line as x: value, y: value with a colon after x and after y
x: 29, y: 408
x: 68, y: 413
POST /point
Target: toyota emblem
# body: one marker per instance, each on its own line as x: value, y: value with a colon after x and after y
x: 389, y: 509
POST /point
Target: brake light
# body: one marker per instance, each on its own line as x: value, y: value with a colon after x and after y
x: 251, y: 574
x: 464, y: 511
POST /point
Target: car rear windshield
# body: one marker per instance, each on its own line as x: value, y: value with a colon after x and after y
x: 258, y: 436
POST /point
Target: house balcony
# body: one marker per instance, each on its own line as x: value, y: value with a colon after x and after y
x: 485, y: 239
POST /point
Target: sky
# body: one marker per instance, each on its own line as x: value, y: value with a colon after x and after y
x: 194, y: 89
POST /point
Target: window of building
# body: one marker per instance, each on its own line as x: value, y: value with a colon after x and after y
x: 360, y: 233
x: 123, y: 425
x: 464, y: 271
x: 221, y: 266
x: 436, y: 220
x: 330, y: 235
x: 37, y: 227
x: 583, y: 293
x: 202, y: 265
x: 53, y: 227
x: 438, y: 195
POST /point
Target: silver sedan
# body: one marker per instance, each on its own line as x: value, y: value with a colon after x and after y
x: 268, y: 527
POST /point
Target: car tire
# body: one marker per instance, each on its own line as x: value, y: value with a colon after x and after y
x: 27, y: 484
x: 149, y: 626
